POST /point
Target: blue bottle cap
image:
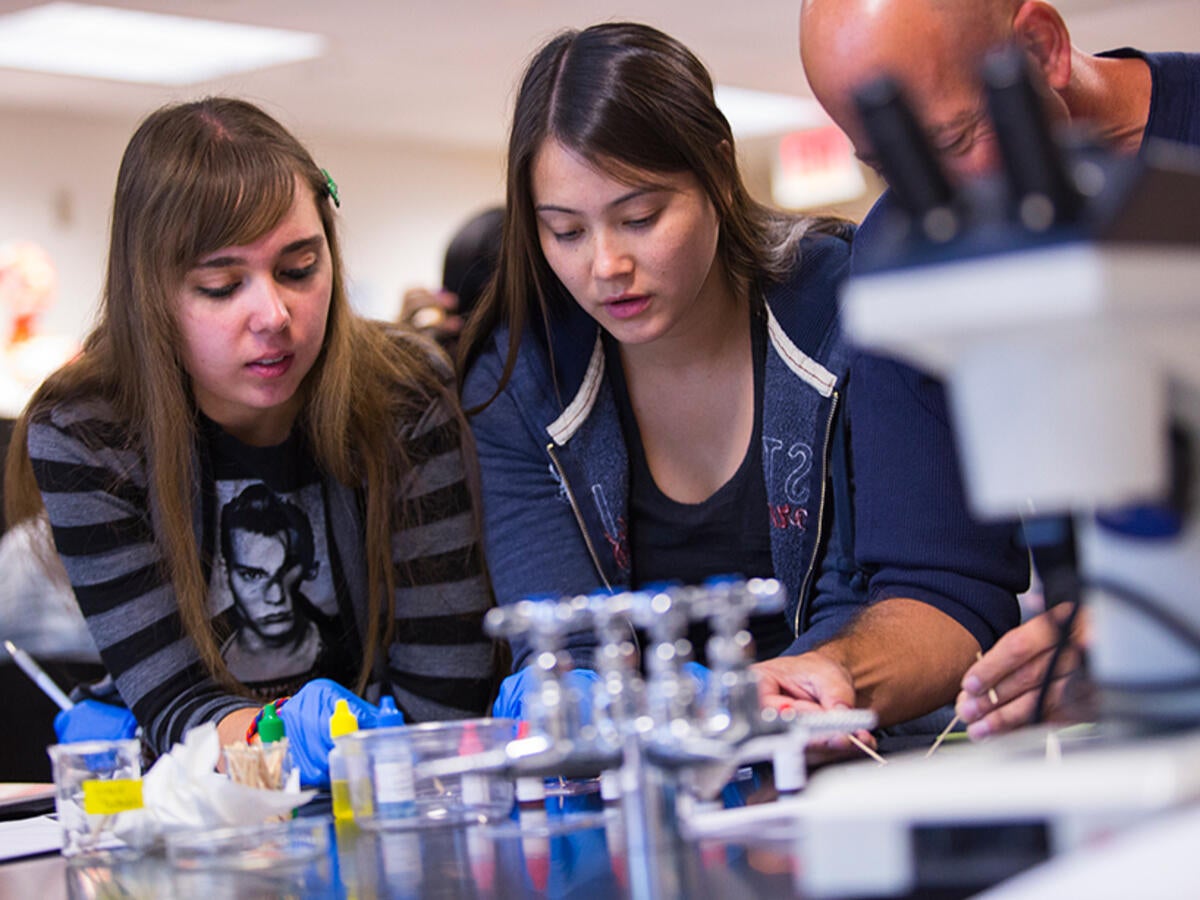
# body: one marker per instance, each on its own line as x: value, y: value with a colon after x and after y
x: 389, y: 715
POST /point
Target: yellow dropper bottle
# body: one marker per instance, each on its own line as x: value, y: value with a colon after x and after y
x: 341, y: 723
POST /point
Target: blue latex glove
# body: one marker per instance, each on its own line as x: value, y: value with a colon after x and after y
x: 699, y: 674
x: 306, y: 725
x: 515, y: 690
x: 91, y: 720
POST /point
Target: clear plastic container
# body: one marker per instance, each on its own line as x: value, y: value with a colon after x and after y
x: 410, y: 777
x: 265, y: 766
x: 98, y: 795
x: 267, y: 845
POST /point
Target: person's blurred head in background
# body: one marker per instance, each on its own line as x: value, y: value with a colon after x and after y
x: 468, y: 267
x: 27, y: 286
x: 471, y: 258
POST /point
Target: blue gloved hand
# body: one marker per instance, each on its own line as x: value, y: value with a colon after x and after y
x: 306, y: 725
x: 516, y: 691
x: 700, y: 675
x: 91, y: 720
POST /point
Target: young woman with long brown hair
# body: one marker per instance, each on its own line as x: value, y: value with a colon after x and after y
x: 227, y: 355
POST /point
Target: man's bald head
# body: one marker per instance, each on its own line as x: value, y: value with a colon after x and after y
x: 934, y: 48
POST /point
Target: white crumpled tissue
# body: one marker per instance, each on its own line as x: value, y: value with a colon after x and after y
x: 182, y: 791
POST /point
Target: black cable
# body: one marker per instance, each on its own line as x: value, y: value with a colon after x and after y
x: 1065, y: 585
x: 1144, y: 603
x: 1167, y: 619
x: 1052, y: 548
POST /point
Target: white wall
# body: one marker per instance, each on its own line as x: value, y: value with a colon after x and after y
x: 59, y: 177
x: 400, y: 206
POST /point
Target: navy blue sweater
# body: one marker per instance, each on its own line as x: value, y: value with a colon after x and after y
x: 555, y: 474
x: 851, y: 522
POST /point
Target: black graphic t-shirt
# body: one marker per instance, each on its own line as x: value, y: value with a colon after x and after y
x: 276, y: 591
x: 727, y: 534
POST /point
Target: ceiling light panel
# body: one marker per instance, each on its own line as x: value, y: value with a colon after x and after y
x: 149, y: 48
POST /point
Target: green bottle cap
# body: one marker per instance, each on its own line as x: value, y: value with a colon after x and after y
x: 270, y: 726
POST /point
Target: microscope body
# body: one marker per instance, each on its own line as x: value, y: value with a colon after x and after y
x: 1062, y: 312
x: 1059, y: 303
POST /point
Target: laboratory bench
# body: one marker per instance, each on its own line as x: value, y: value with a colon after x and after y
x: 582, y: 854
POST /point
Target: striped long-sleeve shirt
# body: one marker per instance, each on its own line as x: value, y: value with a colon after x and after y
x: 439, y: 665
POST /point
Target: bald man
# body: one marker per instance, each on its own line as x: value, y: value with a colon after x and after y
x: 934, y: 47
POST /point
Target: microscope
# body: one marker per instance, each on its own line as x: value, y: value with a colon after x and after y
x: 1061, y: 307
x: 1059, y: 302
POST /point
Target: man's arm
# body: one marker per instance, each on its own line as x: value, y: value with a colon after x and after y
x: 900, y: 657
x: 941, y: 585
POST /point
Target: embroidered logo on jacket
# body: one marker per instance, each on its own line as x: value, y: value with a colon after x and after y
x: 784, y: 515
x: 616, y: 532
x: 793, y: 512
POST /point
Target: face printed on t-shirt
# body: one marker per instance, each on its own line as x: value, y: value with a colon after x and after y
x: 278, y: 597
x: 263, y: 576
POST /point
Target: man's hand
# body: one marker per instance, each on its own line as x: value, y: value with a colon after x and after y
x: 812, y: 682
x: 900, y: 657
x: 1000, y: 691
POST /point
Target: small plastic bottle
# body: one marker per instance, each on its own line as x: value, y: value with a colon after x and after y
x: 392, y: 769
x: 341, y: 723
x: 275, y: 763
x: 357, y: 766
x: 530, y: 790
x: 270, y: 726
x: 476, y: 788
x: 389, y: 715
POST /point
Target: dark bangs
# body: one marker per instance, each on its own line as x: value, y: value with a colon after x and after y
x: 610, y: 107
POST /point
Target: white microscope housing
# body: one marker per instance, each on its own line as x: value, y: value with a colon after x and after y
x: 1069, y: 364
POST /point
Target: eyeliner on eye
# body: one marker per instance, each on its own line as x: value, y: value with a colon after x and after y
x: 216, y: 293
x: 301, y: 273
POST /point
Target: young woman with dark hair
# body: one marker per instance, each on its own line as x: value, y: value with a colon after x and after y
x: 659, y: 390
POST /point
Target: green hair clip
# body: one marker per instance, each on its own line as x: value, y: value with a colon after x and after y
x: 331, y: 188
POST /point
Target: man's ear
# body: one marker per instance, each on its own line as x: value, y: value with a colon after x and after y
x: 1042, y: 33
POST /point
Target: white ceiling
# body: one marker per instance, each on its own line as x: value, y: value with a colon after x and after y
x: 443, y: 71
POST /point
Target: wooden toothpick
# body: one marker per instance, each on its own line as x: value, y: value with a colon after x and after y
x: 992, y: 695
x: 941, y: 737
x: 867, y: 750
